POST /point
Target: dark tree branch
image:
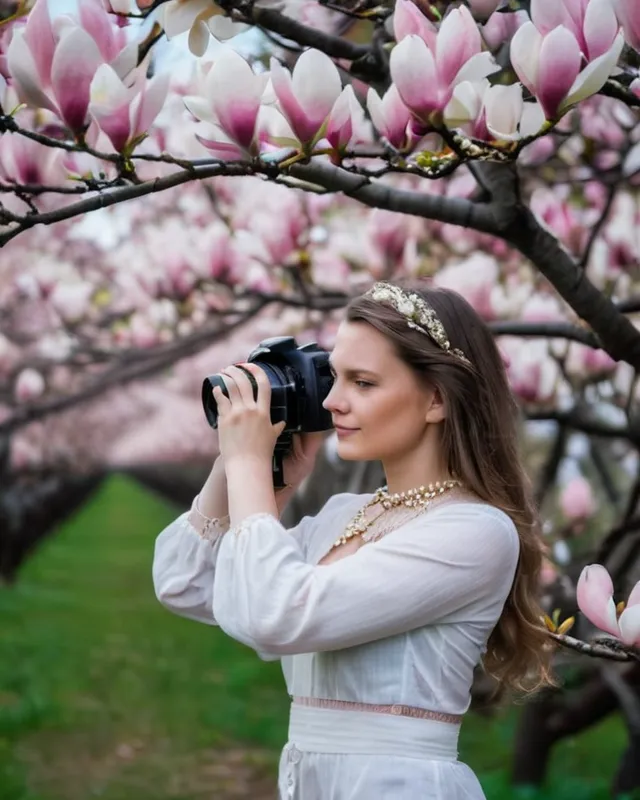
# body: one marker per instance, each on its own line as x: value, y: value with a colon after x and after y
x: 124, y: 372
x: 579, y: 420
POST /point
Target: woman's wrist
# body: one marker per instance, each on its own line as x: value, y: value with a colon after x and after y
x: 250, y: 488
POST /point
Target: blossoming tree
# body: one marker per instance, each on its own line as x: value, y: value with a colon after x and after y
x: 490, y: 146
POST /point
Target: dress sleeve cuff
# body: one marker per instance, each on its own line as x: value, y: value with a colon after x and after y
x: 206, y: 527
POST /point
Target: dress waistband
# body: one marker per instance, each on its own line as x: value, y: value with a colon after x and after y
x: 333, y: 730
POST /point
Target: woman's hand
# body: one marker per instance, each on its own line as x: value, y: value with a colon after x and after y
x: 245, y: 431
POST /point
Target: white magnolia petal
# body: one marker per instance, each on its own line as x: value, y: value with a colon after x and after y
x: 594, y: 75
x: 477, y: 67
x: 629, y: 623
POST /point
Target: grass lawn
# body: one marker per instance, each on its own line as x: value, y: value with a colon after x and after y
x: 105, y: 694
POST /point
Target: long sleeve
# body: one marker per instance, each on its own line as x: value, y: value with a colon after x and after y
x: 186, y: 553
x: 455, y: 563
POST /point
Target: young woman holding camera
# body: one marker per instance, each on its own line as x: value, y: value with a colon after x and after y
x: 382, y: 605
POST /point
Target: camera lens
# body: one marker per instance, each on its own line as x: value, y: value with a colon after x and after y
x: 281, y: 385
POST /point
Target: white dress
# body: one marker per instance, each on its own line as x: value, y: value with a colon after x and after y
x: 402, y: 622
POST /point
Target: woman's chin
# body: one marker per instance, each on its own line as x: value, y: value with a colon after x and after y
x: 348, y: 451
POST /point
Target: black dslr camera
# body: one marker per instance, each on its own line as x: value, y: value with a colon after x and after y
x: 300, y: 379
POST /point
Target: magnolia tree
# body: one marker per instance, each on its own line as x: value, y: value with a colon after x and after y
x: 488, y: 146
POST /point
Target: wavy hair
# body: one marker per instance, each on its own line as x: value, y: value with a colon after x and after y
x: 480, y: 442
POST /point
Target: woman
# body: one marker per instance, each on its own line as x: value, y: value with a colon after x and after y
x: 382, y: 605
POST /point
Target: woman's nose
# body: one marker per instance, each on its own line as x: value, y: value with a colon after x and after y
x: 333, y: 402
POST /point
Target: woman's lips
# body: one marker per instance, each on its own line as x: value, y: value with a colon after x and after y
x: 345, y: 431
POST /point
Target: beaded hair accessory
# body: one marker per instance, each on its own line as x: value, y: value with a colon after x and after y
x: 418, y: 313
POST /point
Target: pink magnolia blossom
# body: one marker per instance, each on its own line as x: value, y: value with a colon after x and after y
x: 408, y: 20
x: 390, y: 117
x: 628, y: 12
x: 125, y: 113
x: 501, y: 28
x: 576, y: 499
x: 72, y: 300
x: 229, y: 106
x: 29, y: 385
x: 595, y: 600
x: 307, y: 96
x: 426, y: 74
x: 53, y: 66
x: 567, y: 52
x: 492, y: 112
x: 345, y: 121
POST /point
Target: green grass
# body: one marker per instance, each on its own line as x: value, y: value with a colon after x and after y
x: 105, y: 694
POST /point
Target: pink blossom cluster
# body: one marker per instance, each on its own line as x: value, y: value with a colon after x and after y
x: 83, y: 72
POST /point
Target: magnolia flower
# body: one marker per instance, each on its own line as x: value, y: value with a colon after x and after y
x: 345, y: 119
x: 229, y: 107
x: 390, y: 117
x: 595, y: 600
x: 576, y: 499
x: 124, y: 113
x: 628, y: 13
x: 202, y: 18
x: 306, y: 96
x: 29, y: 385
x: 53, y: 66
x: 72, y: 300
x: 408, y: 19
x: 567, y: 52
x: 426, y: 74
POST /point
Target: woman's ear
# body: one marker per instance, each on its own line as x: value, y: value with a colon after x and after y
x: 436, y: 411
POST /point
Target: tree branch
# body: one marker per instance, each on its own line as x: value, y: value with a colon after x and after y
x: 124, y: 372
x: 579, y: 421
x: 455, y: 211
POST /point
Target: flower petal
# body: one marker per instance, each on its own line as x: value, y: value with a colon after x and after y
x: 525, y: 54
x: 24, y: 72
x: 235, y: 92
x: 595, y: 75
x: 560, y: 60
x: 413, y: 71
x: 630, y: 625
x: 75, y: 63
x: 600, y: 27
x: 503, y: 108
x: 458, y: 41
x: 595, y: 598
x: 178, y: 16
x: 199, y: 38
x: 316, y: 84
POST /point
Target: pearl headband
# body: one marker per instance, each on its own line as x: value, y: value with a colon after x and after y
x: 417, y: 312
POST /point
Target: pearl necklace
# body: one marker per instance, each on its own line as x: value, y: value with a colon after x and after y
x: 414, y: 498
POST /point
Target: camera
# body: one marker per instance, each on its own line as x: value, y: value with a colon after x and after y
x: 300, y: 379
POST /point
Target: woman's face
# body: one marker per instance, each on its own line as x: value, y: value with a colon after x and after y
x: 377, y: 396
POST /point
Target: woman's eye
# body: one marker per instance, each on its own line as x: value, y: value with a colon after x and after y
x: 363, y: 384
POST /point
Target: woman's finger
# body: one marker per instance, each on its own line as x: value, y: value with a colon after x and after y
x: 242, y: 383
x: 223, y: 403
x: 264, y: 387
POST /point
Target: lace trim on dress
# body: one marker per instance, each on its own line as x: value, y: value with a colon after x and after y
x: 247, y: 522
x: 396, y: 709
x: 207, y: 528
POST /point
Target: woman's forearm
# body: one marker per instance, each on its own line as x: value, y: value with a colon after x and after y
x: 213, y: 500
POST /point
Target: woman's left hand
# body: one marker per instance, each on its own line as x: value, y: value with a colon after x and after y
x: 245, y: 430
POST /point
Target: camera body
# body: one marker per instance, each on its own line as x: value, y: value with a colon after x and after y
x: 300, y: 380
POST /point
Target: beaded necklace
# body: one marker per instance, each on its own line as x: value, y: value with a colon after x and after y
x: 419, y: 499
